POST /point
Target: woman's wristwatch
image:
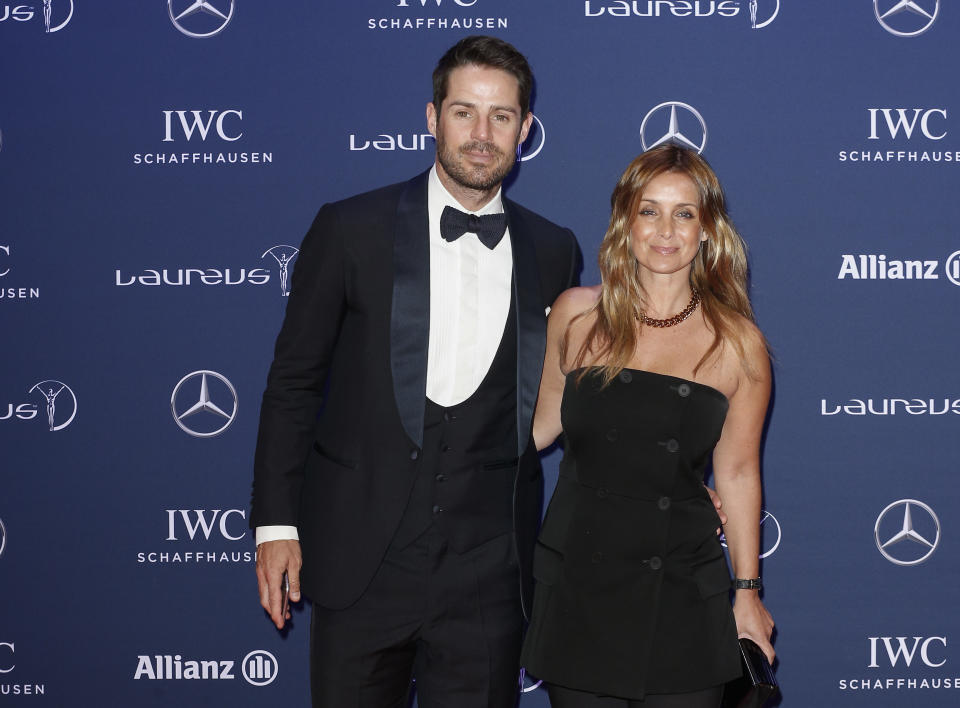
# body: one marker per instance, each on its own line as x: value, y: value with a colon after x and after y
x: 747, y: 584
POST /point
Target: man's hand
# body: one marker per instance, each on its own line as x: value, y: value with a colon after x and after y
x: 717, y: 503
x: 274, y: 558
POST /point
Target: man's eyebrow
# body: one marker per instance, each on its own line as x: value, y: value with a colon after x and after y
x: 470, y: 104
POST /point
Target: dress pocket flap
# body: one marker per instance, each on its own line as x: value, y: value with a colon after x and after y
x: 712, y: 577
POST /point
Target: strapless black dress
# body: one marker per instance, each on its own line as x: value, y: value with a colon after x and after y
x: 632, y: 593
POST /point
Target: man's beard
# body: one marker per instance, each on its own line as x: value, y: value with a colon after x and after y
x: 482, y: 178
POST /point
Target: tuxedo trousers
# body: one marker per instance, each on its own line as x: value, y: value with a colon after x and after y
x: 446, y: 624
x: 568, y: 698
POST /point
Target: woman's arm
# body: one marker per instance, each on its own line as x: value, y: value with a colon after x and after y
x: 546, y: 419
x: 736, y: 469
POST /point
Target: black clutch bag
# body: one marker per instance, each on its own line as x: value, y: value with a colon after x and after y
x: 757, y: 685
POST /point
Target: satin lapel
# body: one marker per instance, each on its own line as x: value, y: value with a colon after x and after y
x: 531, y: 323
x: 410, y: 311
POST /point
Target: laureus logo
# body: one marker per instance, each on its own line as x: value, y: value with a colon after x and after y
x: 535, y: 141
x: 55, y: 15
x: 64, y: 409
x: 284, y: 256
x: 755, y: 8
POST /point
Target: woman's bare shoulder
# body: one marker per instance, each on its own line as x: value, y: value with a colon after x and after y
x: 755, y: 349
x: 575, y: 301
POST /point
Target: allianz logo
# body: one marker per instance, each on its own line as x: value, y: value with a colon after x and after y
x: 194, y: 276
x: 657, y: 8
x: 172, y: 666
x: 873, y: 266
x: 891, y: 406
x: 258, y: 668
x: 389, y: 143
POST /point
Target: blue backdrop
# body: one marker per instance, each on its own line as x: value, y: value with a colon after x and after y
x: 158, y: 167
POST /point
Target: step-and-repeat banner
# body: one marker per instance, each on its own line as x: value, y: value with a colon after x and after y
x: 160, y: 163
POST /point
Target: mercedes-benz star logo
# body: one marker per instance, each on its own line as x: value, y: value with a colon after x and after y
x: 906, y: 26
x: 753, y: 14
x: 770, y: 535
x: 209, y: 414
x: 51, y: 389
x: 538, y: 130
x: 201, y: 29
x: 693, y: 140
x: 907, y: 538
x: 284, y: 256
x: 3, y: 537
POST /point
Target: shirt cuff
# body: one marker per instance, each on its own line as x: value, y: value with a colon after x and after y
x: 276, y: 533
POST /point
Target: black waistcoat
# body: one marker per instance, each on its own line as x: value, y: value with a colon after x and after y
x: 467, y: 469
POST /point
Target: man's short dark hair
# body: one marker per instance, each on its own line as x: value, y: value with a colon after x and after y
x: 483, y: 51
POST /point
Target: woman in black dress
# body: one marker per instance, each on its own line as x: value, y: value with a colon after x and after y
x: 650, y: 375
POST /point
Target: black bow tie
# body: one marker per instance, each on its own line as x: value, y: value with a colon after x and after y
x: 489, y: 228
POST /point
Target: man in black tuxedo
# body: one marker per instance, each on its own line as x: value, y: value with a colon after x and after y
x: 395, y: 434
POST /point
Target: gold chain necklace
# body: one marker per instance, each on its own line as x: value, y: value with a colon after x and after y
x: 677, y: 318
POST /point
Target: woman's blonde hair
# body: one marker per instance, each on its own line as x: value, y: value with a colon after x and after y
x: 719, y: 271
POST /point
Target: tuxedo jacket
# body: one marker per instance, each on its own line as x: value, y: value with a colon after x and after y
x: 341, y: 423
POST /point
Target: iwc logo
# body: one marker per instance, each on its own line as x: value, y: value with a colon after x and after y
x: 907, y: 532
x: 200, y: 413
x: 906, y: 18
x: 438, y: 15
x: 200, y: 18
x: 683, y: 123
x: 211, y: 135
x: 200, y: 537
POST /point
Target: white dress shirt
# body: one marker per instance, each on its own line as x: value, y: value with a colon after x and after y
x: 470, y: 288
